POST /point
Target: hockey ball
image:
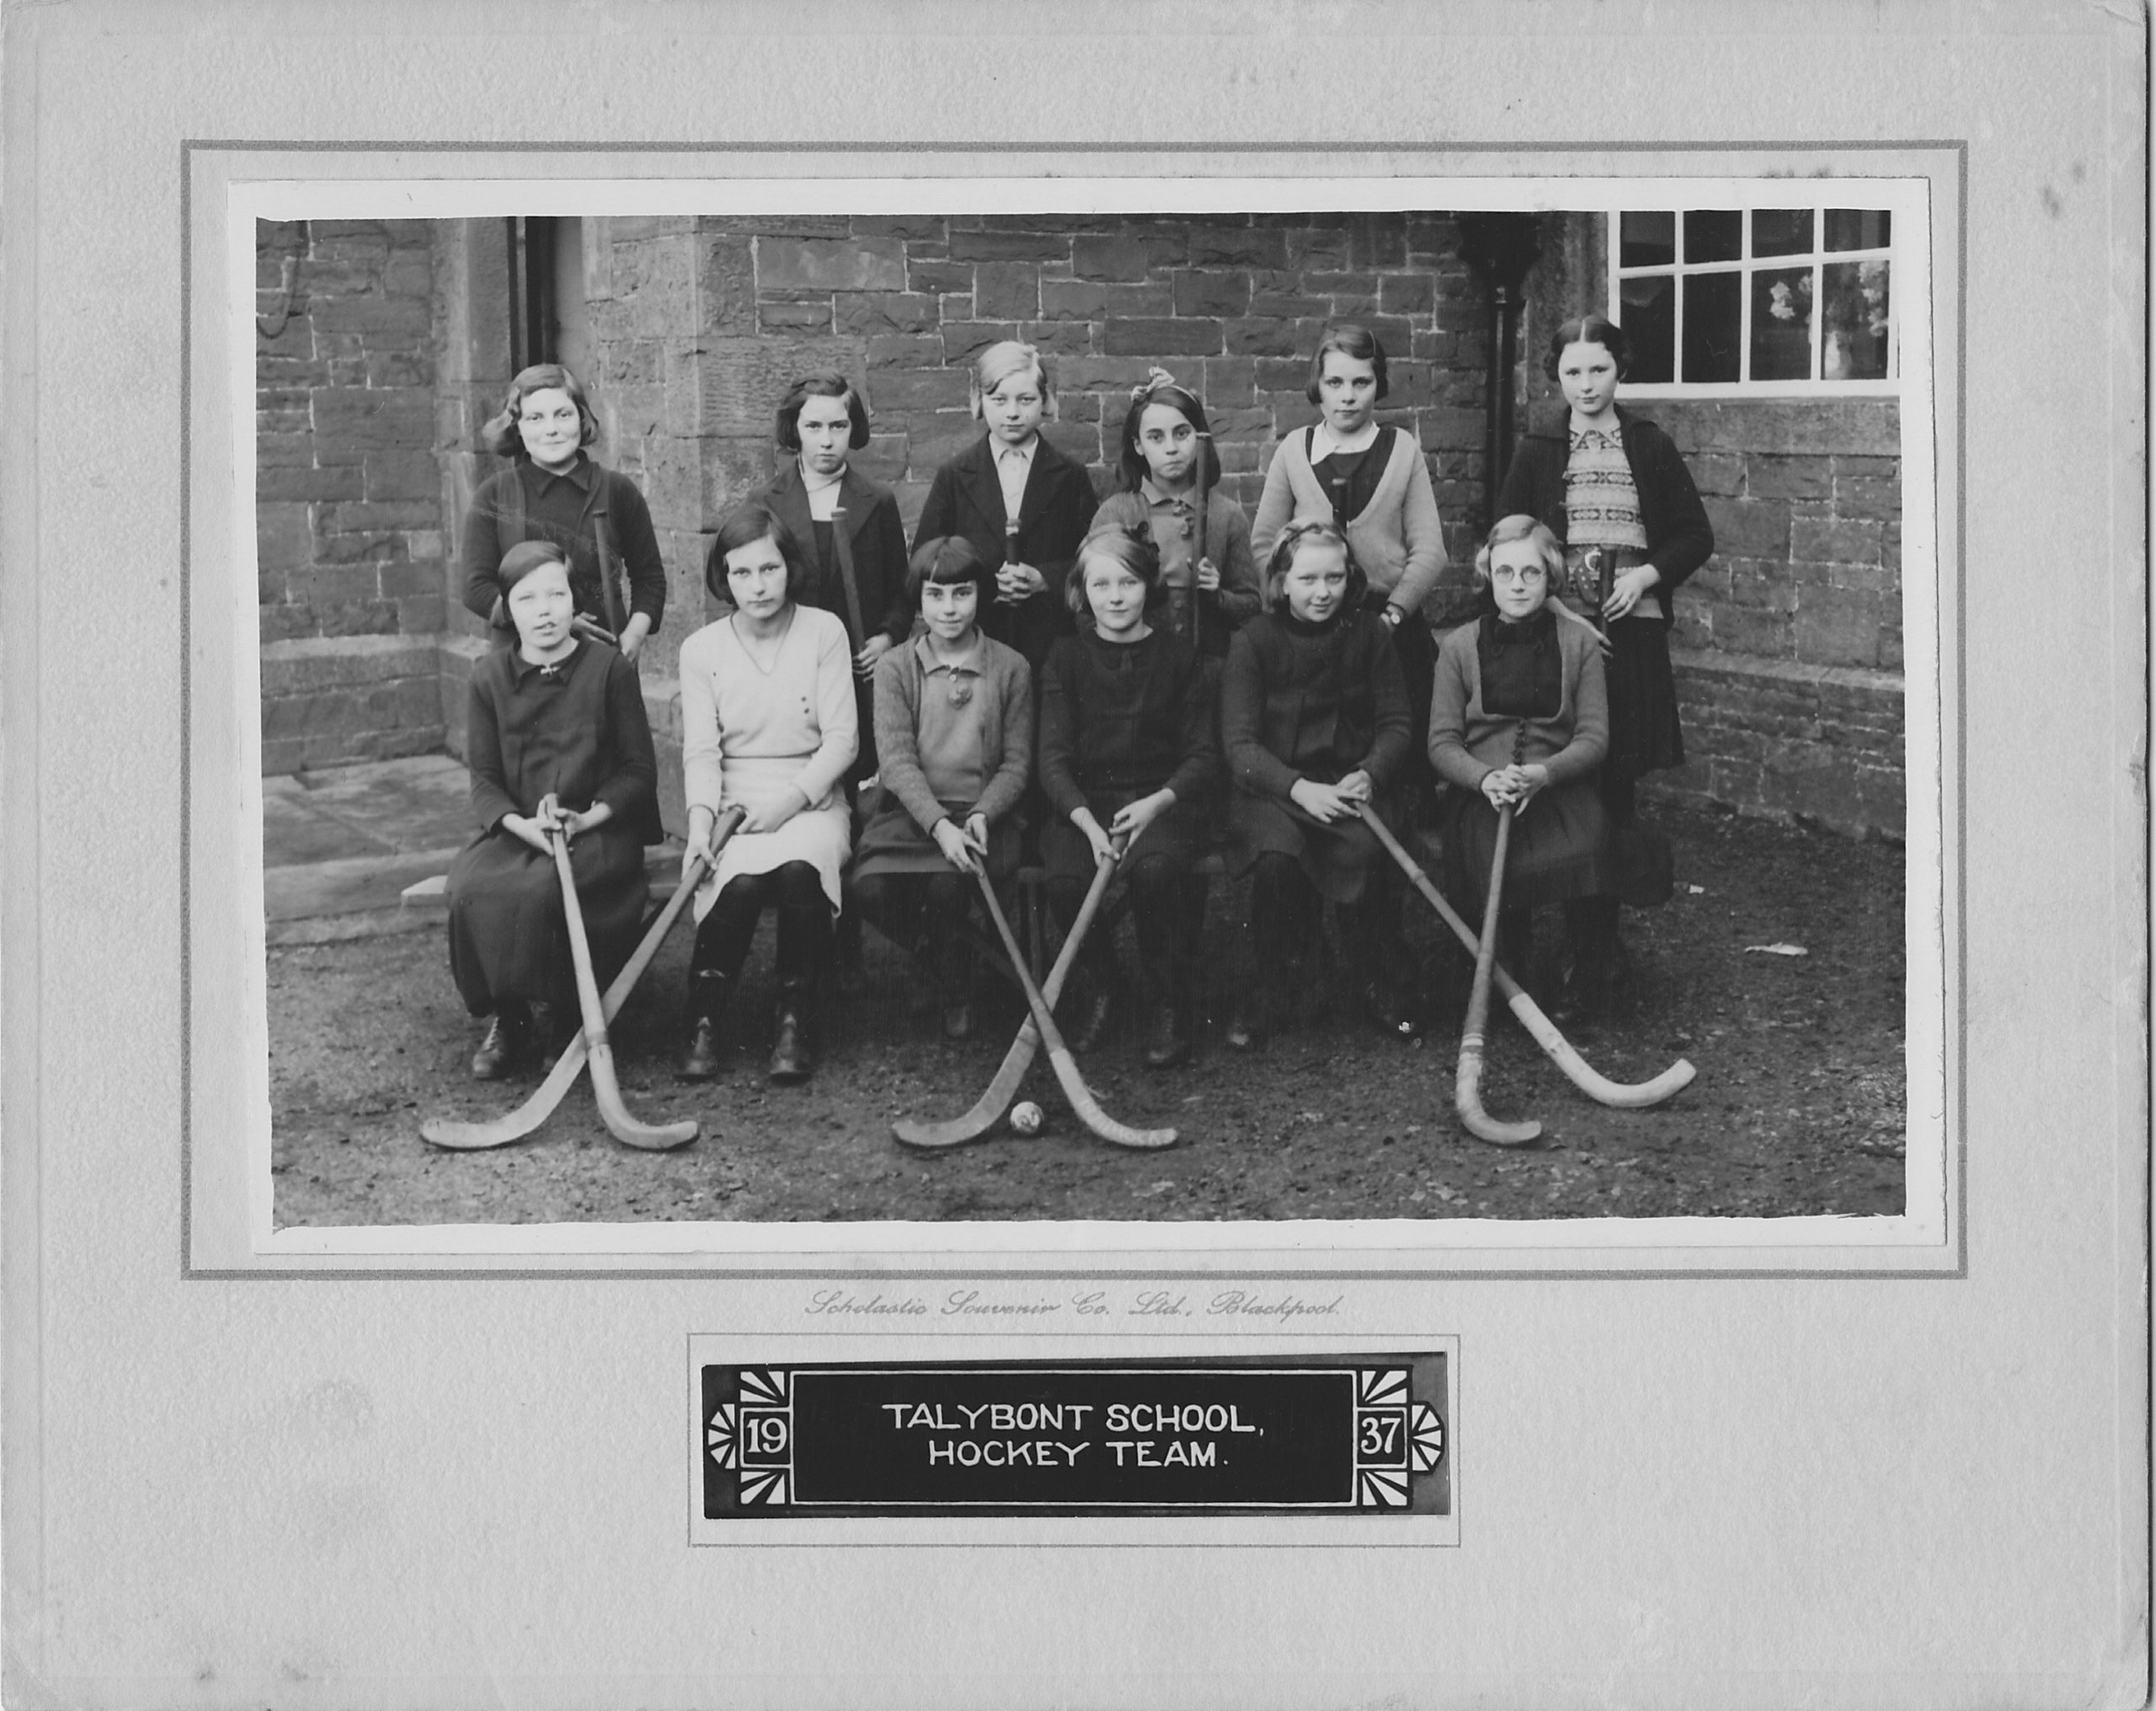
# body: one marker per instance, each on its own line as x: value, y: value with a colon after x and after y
x: 1026, y: 1118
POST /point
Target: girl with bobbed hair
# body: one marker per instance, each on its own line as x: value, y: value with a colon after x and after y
x: 767, y: 725
x: 556, y: 738
x: 1127, y: 750
x: 822, y: 420
x: 954, y: 726
x: 1022, y: 504
x: 1375, y: 483
x: 1167, y: 445
x: 553, y: 491
x: 1519, y: 718
x: 1614, y: 491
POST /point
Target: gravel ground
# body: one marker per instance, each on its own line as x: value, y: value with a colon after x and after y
x: 1798, y: 1109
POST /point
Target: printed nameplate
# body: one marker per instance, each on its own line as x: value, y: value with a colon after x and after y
x: 1352, y: 1434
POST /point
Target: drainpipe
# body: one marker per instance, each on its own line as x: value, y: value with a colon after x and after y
x: 1501, y: 247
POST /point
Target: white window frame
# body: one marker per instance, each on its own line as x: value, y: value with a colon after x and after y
x: 1817, y: 259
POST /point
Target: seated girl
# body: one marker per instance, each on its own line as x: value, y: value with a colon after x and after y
x: 556, y: 739
x: 954, y: 736
x: 1518, y: 716
x: 1314, y: 722
x: 768, y: 724
x: 1126, y: 750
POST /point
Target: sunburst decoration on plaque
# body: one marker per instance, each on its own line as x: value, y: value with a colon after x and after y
x: 1381, y: 1387
x: 722, y: 1436
x: 766, y: 1486
x: 1376, y: 1488
x: 765, y: 1386
x: 1425, y: 1438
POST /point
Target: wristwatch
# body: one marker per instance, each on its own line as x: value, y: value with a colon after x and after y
x: 1392, y: 616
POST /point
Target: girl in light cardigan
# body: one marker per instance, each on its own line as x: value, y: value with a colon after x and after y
x: 1372, y: 481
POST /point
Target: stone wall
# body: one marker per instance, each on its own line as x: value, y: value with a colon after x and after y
x: 699, y: 324
x: 349, y: 534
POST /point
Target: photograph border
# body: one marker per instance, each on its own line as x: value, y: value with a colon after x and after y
x: 1275, y: 1246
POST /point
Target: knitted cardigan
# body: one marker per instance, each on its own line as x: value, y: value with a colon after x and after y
x: 1467, y: 744
x: 1398, y: 539
x: 1007, y: 693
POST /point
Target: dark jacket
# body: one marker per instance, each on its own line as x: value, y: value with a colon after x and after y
x: 489, y: 532
x: 966, y: 498
x: 1123, y: 716
x: 1679, y: 538
x: 879, y: 541
x: 582, y: 736
x: 1316, y: 701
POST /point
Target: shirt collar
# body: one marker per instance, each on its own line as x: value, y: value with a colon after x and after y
x: 926, y: 654
x: 1156, y: 494
x: 521, y: 670
x: 815, y: 484
x: 1023, y: 454
x: 579, y: 475
x: 1323, y: 445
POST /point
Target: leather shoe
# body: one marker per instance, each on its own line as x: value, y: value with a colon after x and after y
x: 792, y: 1061
x: 1165, y: 1043
x: 498, y: 1051
x: 701, y: 1057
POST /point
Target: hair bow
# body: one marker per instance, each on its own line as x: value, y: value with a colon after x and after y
x: 1156, y: 378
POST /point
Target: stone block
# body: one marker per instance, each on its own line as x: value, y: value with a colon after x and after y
x: 883, y: 458
x: 1011, y: 246
x: 956, y: 308
x: 364, y: 516
x: 408, y: 273
x: 368, y: 618
x: 1136, y: 336
x: 732, y: 470
x: 934, y: 439
x: 281, y: 481
x: 738, y: 381
x: 1078, y: 440
x: 1083, y: 300
x: 933, y: 227
x: 1410, y: 384
x: 377, y: 317
x: 1059, y: 338
x: 1407, y: 294
x: 726, y: 283
x: 1848, y: 541
x: 820, y: 265
x: 1319, y: 248
x: 939, y: 278
x: 399, y: 418
x: 1770, y: 476
x: 1271, y: 337
x: 1750, y: 528
x: 1211, y: 291
x: 1378, y: 240
x: 284, y: 540
x: 1738, y: 630
x: 1102, y: 373
x: 1840, y: 628
x: 674, y: 483
x: 1867, y: 496
x: 1007, y: 291
x: 1445, y: 429
x: 903, y: 391
x: 1721, y: 474
x: 635, y: 362
x: 868, y: 313
x: 964, y: 338
x: 813, y: 317
x: 1228, y: 381
x: 410, y: 475
x: 400, y: 368
x: 422, y: 615
x: 903, y: 350
x: 1237, y: 247
x: 285, y: 622
x: 1121, y: 257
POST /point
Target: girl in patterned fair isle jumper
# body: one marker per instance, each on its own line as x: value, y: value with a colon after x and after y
x: 1616, y: 493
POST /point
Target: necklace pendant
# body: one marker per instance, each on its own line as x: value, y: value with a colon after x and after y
x: 961, y: 691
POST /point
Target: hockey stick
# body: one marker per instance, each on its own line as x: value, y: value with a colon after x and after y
x: 1467, y: 1082
x: 474, y: 1136
x: 626, y: 1128
x: 988, y: 1110
x: 1623, y: 1096
x: 1059, y: 1054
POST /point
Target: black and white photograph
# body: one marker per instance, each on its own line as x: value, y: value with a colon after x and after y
x: 1376, y: 577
